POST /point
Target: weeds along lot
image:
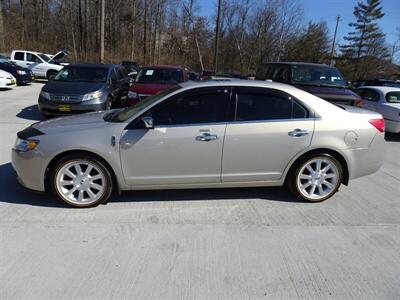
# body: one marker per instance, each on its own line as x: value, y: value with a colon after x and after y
x: 245, y: 243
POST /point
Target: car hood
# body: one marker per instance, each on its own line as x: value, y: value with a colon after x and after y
x: 72, y: 123
x: 59, y: 55
x: 149, y: 88
x: 5, y: 74
x: 73, y: 88
x: 329, y: 93
x: 13, y: 68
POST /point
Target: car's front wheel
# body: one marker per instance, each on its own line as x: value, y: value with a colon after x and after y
x: 81, y: 181
x: 316, y: 178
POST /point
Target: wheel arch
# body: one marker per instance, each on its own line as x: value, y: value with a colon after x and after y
x: 58, y: 157
x: 343, y: 162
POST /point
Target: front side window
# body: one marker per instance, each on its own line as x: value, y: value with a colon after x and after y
x: 196, y: 108
x: 370, y: 95
x: 258, y: 105
x: 33, y: 58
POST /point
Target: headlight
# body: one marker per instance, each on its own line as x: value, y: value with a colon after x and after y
x: 25, y: 145
x: 92, y: 96
x: 45, y: 95
x: 133, y: 95
x: 21, y: 72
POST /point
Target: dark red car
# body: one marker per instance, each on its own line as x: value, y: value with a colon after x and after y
x: 153, y: 79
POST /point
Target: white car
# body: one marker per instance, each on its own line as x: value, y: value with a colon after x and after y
x: 384, y: 100
x: 6, y: 79
x: 42, y: 65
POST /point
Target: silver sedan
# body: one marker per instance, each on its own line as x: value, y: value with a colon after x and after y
x: 203, y: 135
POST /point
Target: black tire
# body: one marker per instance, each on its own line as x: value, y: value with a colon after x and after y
x: 293, y: 179
x: 51, y: 74
x: 108, y: 184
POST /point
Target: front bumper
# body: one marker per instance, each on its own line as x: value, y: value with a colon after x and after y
x: 48, y: 107
x: 24, y: 79
x: 30, y: 169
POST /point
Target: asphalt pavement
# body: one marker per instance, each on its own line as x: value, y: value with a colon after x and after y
x: 252, y: 243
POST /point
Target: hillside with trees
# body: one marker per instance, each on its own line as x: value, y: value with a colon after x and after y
x: 173, y: 32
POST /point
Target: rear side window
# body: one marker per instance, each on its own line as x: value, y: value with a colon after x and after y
x: 393, y: 97
x: 259, y: 104
x: 19, y: 56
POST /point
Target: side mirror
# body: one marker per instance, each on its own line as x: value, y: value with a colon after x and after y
x: 148, y: 122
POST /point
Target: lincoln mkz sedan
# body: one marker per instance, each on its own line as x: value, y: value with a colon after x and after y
x: 203, y: 135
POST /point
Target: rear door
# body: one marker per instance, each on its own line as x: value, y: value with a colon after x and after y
x: 19, y: 58
x: 270, y: 128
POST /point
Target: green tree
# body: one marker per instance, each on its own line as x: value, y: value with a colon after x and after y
x: 312, y: 45
x: 366, y: 33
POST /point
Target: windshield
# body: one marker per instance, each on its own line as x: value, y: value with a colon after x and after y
x: 393, y: 97
x: 319, y: 76
x: 163, y: 76
x: 82, y: 74
x: 44, y: 57
x: 124, y: 114
x: 5, y: 61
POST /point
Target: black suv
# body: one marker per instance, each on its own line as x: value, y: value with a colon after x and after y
x: 85, y: 88
x: 318, y: 79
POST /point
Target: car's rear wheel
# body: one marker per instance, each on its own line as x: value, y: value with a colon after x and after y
x: 81, y: 181
x: 316, y: 178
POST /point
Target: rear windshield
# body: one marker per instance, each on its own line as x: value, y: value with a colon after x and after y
x: 393, y: 97
x: 163, y: 76
x: 317, y: 75
x: 82, y: 74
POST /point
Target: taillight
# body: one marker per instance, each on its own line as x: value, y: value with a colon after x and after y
x: 378, y: 124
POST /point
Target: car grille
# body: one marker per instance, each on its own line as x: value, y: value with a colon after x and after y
x: 61, y: 98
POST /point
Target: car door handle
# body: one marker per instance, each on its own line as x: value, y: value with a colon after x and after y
x: 206, y: 137
x: 298, y: 132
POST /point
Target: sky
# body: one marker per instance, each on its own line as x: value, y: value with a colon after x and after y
x: 328, y: 10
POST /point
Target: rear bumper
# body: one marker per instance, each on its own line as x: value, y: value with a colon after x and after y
x: 392, y: 126
x: 48, y: 107
x: 364, y: 162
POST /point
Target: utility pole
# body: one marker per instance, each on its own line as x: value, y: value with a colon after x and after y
x: 217, y: 37
x: 334, y: 39
x: 102, y: 31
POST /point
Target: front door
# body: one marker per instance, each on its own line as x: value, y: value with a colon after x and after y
x: 185, y: 146
x: 270, y: 128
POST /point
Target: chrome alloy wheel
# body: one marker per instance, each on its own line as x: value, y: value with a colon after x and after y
x: 80, y: 182
x: 318, y: 178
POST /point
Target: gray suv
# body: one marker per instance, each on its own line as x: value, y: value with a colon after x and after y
x: 80, y: 88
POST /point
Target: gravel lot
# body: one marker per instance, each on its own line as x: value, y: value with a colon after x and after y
x: 253, y: 243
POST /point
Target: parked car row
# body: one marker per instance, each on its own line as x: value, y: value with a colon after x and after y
x: 20, y: 75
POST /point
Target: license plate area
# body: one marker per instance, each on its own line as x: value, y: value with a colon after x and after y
x: 64, y: 107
